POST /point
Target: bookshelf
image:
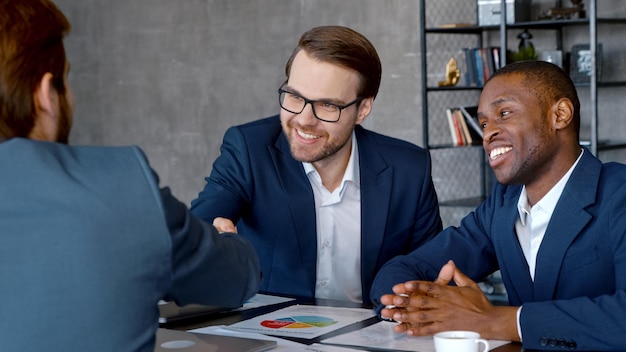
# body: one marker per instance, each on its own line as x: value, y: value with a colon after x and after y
x: 461, y: 174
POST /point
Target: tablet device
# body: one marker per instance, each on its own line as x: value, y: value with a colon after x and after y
x: 168, y: 340
x: 170, y: 311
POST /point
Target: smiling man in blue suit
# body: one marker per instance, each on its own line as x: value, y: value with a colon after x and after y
x: 324, y: 201
x: 89, y: 242
x: 554, y: 225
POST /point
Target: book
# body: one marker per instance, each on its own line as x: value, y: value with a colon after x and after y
x: 456, y: 25
x: 470, y: 67
x: 490, y: 60
x: 471, y: 117
x: 496, y: 57
x: 467, y: 137
x: 454, y: 128
x: 484, y: 58
x: 479, y: 67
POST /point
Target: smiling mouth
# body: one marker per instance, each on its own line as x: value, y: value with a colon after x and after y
x: 306, y: 135
x: 497, y: 152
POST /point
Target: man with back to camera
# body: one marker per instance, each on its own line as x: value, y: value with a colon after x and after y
x: 324, y: 201
x: 89, y: 242
x: 554, y: 224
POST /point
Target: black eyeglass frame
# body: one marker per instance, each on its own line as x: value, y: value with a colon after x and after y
x: 312, y: 102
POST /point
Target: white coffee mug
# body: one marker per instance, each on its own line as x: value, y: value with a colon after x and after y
x: 459, y: 341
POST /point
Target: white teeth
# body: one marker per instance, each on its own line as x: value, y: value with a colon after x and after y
x: 306, y: 135
x: 499, y: 151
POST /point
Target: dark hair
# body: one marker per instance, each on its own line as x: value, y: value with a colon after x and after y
x: 31, y: 44
x: 344, y: 47
x: 548, y: 82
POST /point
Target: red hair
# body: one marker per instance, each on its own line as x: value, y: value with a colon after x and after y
x: 31, y: 44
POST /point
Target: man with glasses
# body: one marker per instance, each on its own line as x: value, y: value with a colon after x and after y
x: 324, y: 201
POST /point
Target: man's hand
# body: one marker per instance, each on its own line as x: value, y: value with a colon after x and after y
x: 425, y: 308
x: 224, y: 225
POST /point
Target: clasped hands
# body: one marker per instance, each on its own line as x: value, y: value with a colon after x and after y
x: 425, y: 308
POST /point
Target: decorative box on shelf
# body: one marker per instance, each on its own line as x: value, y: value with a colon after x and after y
x: 489, y: 11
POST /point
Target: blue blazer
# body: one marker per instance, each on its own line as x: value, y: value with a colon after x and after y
x: 578, y: 297
x: 257, y: 183
x: 89, y: 244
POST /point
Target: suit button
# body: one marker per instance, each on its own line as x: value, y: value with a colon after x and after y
x: 543, y: 341
x: 552, y: 342
x: 572, y: 345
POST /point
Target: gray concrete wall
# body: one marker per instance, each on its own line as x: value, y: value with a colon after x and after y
x: 172, y: 75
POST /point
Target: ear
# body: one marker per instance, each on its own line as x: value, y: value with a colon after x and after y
x: 46, y: 102
x: 563, y: 114
x: 365, y: 107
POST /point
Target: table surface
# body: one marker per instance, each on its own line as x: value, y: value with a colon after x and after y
x: 231, y: 317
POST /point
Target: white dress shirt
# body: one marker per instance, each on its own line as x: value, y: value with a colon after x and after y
x: 533, y: 221
x: 338, y: 220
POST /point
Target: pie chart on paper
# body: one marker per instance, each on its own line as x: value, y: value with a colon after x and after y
x: 303, y: 321
x: 298, y: 322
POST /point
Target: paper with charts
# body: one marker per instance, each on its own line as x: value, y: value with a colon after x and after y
x: 303, y: 321
x: 382, y: 337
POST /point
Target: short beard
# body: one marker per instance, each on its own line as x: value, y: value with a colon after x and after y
x: 326, y: 151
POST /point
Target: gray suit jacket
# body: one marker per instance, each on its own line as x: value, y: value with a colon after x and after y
x: 89, y: 244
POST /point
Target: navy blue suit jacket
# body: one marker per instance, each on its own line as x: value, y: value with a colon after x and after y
x: 256, y: 183
x: 579, y: 292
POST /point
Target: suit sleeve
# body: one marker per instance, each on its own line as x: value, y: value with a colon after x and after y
x: 428, y: 220
x: 584, y: 323
x: 461, y: 244
x: 205, y: 267
x: 208, y: 267
x: 228, y: 188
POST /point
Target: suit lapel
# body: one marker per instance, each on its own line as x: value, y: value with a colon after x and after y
x: 567, y: 222
x: 511, y: 257
x: 376, y: 182
x: 300, y: 204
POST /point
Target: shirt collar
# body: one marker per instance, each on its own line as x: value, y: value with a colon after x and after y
x: 548, y: 202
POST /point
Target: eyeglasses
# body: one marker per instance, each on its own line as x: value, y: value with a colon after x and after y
x: 322, y: 110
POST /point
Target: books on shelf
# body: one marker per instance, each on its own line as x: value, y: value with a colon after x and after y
x: 480, y: 64
x: 464, y: 128
x: 471, y: 116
